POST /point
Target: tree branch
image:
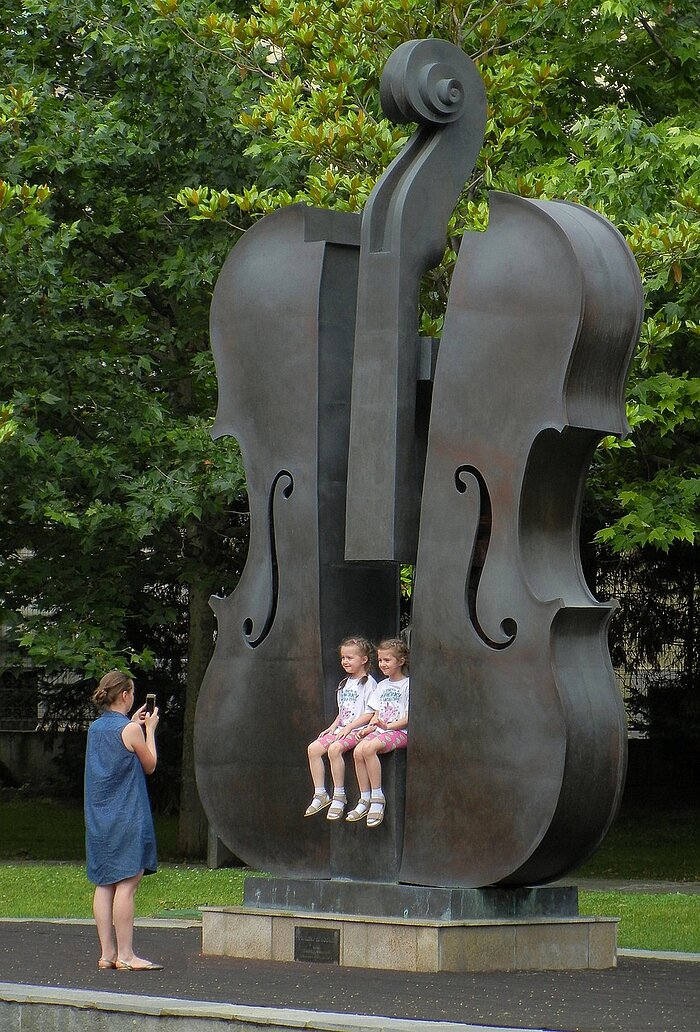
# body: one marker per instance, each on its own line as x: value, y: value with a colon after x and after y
x: 675, y: 61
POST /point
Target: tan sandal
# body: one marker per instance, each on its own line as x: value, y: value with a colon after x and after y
x: 318, y: 803
x: 360, y: 811
x: 122, y: 965
x: 337, y: 808
x: 376, y: 813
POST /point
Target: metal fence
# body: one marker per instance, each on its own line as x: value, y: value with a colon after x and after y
x: 19, y: 707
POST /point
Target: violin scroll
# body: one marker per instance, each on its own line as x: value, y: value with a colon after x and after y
x: 428, y: 81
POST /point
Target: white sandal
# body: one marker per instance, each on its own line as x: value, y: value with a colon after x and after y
x: 319, y: 802
x: 337, y: 808
x: 360, y: 811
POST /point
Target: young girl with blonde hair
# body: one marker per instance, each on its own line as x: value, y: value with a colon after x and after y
x: 353, y: 714
x: 386, y: 731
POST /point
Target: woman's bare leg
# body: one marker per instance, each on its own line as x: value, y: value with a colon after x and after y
x: 102, y: 905
x: 123, y: 912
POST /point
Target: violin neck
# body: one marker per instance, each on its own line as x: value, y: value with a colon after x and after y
x: 404, y: 234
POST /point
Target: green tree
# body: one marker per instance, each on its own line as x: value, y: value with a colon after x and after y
x: 119, y: 518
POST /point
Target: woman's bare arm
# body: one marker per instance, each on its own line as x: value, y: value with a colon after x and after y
x: 145, y: 749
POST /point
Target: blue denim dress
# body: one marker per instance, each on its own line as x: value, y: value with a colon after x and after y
x: 120, y: 838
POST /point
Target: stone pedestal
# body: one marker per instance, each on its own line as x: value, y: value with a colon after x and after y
x: 402, y: 944
x: 410, y: 927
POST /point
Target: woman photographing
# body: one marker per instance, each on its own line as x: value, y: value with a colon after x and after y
x: 119, y: 835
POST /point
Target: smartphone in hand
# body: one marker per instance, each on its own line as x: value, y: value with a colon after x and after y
x: 150, y: 703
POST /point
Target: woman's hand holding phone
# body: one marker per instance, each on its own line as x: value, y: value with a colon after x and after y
x: 148, y: 714
x: 151, y: 719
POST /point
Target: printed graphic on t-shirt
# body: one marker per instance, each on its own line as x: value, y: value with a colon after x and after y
x: 391, y: 704
x: 350, y: 695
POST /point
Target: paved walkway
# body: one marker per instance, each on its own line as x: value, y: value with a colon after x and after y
x: 643, y: 993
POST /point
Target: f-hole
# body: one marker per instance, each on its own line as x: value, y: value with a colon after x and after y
x: 248, y: 624
x: 478, y: 559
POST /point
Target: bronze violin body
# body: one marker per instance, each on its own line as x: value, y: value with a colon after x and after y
x: 282, y: 341
x: 515, y: 701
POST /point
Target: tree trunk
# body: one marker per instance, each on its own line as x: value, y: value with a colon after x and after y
x: 192, y: 824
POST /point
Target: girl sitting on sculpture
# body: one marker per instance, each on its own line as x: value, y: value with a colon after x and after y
x: 386, y: 731
x: 354, y: 713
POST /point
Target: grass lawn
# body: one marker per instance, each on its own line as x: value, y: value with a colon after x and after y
x: 663, y: 921
x: 62, y: 890
x: 660, y: 922
x: 644, y: 844
x: 647, y: 843
x: 44, y: 829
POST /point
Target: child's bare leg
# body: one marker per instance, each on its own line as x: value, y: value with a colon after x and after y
x: 316, y: 752
x: 336, y: 759
x: 370, y: 775
x: 362, y: 805
x: 373, y: 765
x: 361, y: 768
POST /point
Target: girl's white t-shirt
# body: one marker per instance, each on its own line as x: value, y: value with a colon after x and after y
x: 390, y: 700
x: 353, y: 699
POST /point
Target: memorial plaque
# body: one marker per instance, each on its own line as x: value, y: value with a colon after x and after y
x: 317, y: 945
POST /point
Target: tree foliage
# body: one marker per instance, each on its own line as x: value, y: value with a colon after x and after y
x: 138, y: 141
x: 107, y: 378
x: 116, y: 510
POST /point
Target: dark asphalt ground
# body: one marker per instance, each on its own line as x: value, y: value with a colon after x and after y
x: 641, y: 994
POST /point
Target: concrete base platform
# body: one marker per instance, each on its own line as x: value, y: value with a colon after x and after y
x: 403, y: 944
x: 31, y: 1008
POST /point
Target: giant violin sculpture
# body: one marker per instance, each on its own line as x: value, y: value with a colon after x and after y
x: 516, y: 753
x: 283, y: 336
